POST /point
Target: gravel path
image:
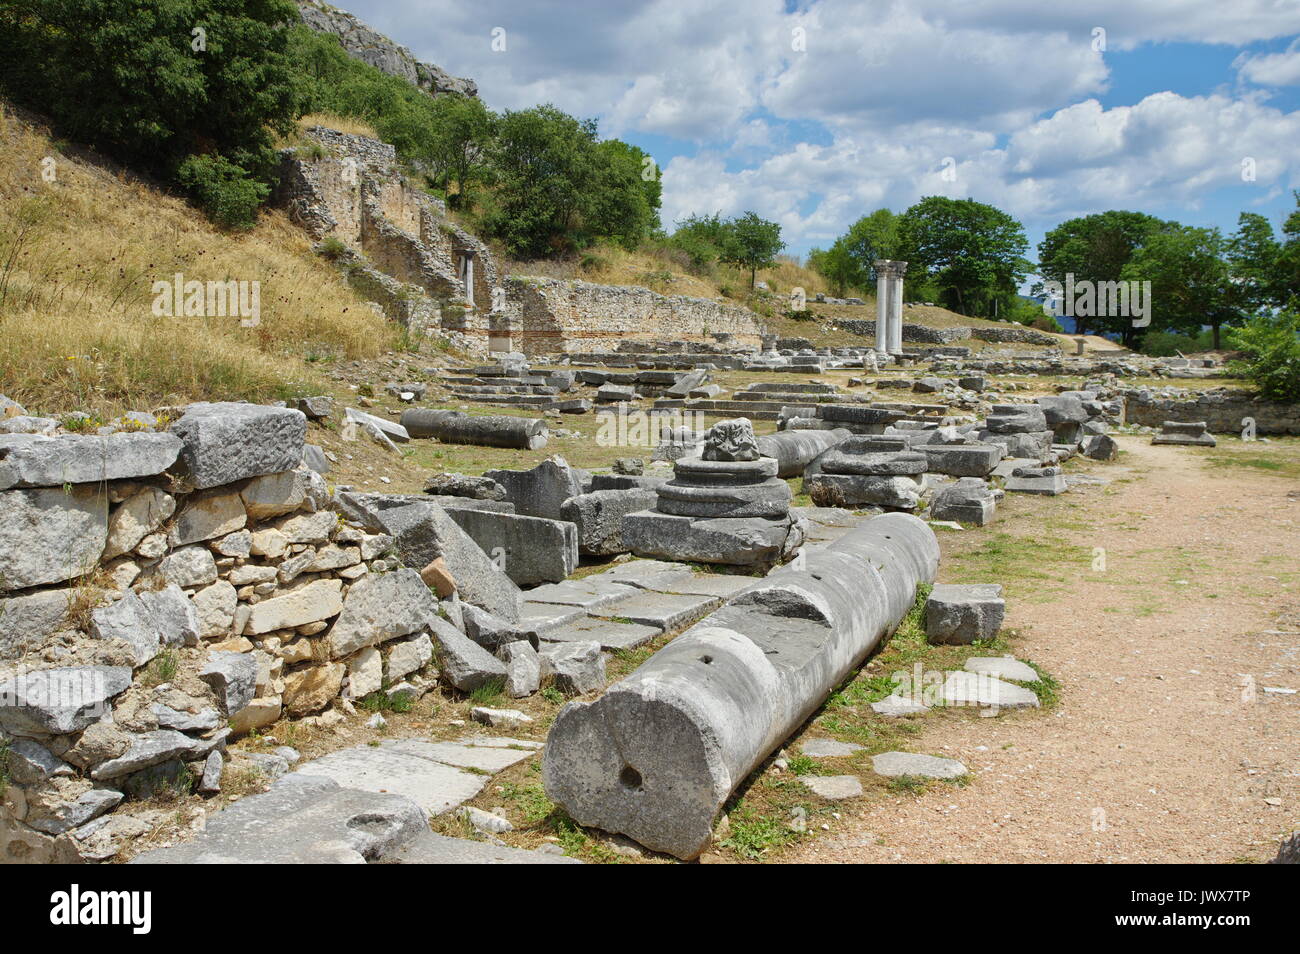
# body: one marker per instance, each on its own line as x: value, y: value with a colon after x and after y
x: 1156, y: 752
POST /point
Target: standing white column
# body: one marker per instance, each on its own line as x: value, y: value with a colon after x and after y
x: 882, y: 307
x: 896, y: 325
x: 467, y: 276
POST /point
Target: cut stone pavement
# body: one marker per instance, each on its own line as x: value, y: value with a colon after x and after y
x: 977, y: 689
x: 833, y: 787
x: 1003, y: 667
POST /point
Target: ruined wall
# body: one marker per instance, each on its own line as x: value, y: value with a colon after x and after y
x: 547, y: 315
x: 164, y: 589
x: 1223, y: 411
x: 351, y: 188
x: 922, y: 334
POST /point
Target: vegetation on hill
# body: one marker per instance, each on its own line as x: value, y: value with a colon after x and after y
x: 81, y: 246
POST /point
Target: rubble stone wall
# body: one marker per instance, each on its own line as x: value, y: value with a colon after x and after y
x: 1224, y: 411
x: 165, y: 589
x: 547, y: 315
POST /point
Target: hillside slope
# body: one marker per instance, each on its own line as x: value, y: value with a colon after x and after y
x: 81, y: 245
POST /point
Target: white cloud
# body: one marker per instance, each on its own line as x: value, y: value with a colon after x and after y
x: 1270, y: 69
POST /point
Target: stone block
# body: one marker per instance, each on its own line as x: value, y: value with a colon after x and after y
x: 226, y: 442
x: 50, y: 535
x: 964, y: 613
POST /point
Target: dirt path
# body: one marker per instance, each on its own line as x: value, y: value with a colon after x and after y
x: 1157, y: 751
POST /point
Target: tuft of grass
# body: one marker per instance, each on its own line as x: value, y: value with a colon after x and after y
x: 754, y: 836
x: 4, y: 766
x: 490, y: 693
x: 381, y: 701
x: 163, y: 668
x: 908, y: 784
x: 804, y: 765
x: 1045, y: 686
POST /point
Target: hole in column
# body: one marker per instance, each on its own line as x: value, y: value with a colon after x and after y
x: 706, y: 660
x: 630, y: 778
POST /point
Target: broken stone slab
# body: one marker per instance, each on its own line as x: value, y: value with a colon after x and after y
x: 205, y: 720
x: 422, y: 531
x: 1034, y: 445
x: 969, y: 500
x: 732, y: 688
x: 28, y: 619
x: 833, y: 788
x: 88, y: 806
x: 430, y: 848
x: 738, y: 541
x: 980, y: 689
x: 599, y: 515
x: 49, y: 535
x: 457, y: 427
x: 207, y: 515
x: 1100, y: 447
x: 962, y: 460
x: 394, y: 432
x: 497, y: 718
x: 1189, y: 433
x: 434, y: 786
x: 575, y: 668
x: 1016, y: 419
x: 610, y: 634
x: 491, y: 631
x: 407, y: 656
x: 460, y: 485
x: 154, y: 748
x: 589, y: 593
x: 913, y: 765
x: 135, y: 518
x: 1003, y: 667
x: 462, y: 662
x: 541, y: 618
x: 226, y: 442
x: 961, y: 613
x: 33, y: 460
x: 318, y: 600
x: 665, y: 611
x: 380, y: 607
x: 273, y: 495
x: 541, y: 491
x: 855, y: 491
x: 528, y: 549
x: 303, y: 819
x: 59, y: 701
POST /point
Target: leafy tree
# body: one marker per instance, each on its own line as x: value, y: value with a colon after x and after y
x: 1095, y: 248
x: 1286, y: 280
x: 1272, y: 355
x: 752, y: 243
x: 972, y: 252
x: 557, y: 188
x: 627, y: 193
x: 461, y: 132
x: 702, y: 238
x: 156, y: 81
x: 1252, y: 254
x: 869, y: 239
x: 1189, y: 279
x: 837, y: 267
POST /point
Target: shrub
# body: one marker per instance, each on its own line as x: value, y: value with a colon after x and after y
x: 225, y: 191
x: 1271, y: 349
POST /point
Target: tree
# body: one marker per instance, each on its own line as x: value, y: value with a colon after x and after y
x: 972, y: 252
x: 1095, y: 248
x: 153, y: 82
x: 702, y: 238
x: 1252, y: 254
x: 557, y: 188
x: 626, y: 196
x: 1189, y: 279
x: 1286, y: 281
x: 869, y: 239
x: 1271, y: 346
x: 752, y: 243
x: 461, y: 131
x: 837, y: 267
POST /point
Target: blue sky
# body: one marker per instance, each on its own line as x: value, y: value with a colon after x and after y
x: 815, y: 113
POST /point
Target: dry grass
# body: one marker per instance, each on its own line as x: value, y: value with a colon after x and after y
x: 344, y: 124
x: 78, y: 258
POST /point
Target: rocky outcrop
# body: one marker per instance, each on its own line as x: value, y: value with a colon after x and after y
x: 377, y: 50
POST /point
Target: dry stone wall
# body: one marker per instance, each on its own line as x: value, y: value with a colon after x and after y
x: 921, y: 334
x: 166, y: 588
x: 1225, y: 411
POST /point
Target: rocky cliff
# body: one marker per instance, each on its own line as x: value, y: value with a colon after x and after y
x: 360, y: 41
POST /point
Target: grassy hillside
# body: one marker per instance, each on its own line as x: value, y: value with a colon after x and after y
x: 78, y: 258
